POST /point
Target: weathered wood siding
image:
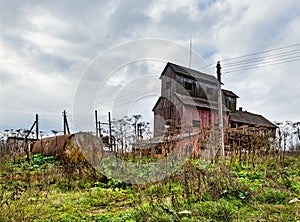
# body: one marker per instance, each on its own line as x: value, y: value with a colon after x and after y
x: 167, y: 112
x: 170, y: 110
x: 203, y: 89
x: 168, y: 83
x: 207, y: 118
x: 229, y: 102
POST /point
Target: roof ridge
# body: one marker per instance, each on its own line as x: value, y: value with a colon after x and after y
x: 190, y: 69
x: 240, y: 113
x: 250, y: 113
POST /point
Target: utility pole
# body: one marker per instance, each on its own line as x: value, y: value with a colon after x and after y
x: 37, y: 126
x: 220, y: 112
x: 110, y: 136
x: 65, y: 122
x: 99, y: 127
x: 96, y: 121
x: 190, y: 50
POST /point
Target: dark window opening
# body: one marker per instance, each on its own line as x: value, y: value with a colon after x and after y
x: 168, y: 123
x: 188, y: 86
x: 196, y: 123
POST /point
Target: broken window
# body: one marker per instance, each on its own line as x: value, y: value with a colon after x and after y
x: 188, y: 86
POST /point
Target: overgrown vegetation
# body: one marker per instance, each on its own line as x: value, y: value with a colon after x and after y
x: 45, y: 189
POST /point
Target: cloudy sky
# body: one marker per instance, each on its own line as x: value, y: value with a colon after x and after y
x: 54, y: 54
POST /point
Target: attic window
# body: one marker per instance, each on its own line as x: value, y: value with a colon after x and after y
x: 196, y: 123
x: 168, y: 85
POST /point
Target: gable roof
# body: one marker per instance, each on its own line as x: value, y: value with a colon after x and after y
x: 157, y: 102
x: 181, y: 70
x: 250, y: 118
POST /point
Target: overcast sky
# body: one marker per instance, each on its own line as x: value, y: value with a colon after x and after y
x: 47, y: 47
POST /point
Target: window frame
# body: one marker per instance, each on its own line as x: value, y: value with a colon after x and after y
x: 196, y: 123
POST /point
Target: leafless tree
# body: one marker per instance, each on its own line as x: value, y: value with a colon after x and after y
x: 296, y: 132
x: 284, y: 134
x: 128, y: 130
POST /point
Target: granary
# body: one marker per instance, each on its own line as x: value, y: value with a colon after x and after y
x: 188, y: 102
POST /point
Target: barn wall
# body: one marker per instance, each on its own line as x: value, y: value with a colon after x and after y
x: 168, y: 78
x: 181, y: 115
x: 207, y: 118
x: 167, y: 111
x: 200, y: 89
x: 230, y: 103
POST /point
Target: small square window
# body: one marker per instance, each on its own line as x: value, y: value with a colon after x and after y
x: 196, y: 123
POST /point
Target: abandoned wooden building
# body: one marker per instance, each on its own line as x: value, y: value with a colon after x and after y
x: 189, y: 103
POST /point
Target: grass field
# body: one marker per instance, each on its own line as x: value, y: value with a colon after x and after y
x: 45, y: 189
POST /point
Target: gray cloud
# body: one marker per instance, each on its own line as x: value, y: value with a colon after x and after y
x: 46, y: 47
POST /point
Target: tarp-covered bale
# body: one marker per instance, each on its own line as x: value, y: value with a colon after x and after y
x: 72, y: 147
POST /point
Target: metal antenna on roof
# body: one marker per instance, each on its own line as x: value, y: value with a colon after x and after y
x: 190, y: 50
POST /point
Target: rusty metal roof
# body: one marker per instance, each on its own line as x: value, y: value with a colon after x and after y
x: 250, y: 118
x: 192, y: 73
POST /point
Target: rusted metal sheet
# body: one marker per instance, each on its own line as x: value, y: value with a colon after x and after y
x: 51, y: 145
x: 72, y: 147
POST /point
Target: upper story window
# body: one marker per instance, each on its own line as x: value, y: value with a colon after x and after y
x: 188, y: 86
